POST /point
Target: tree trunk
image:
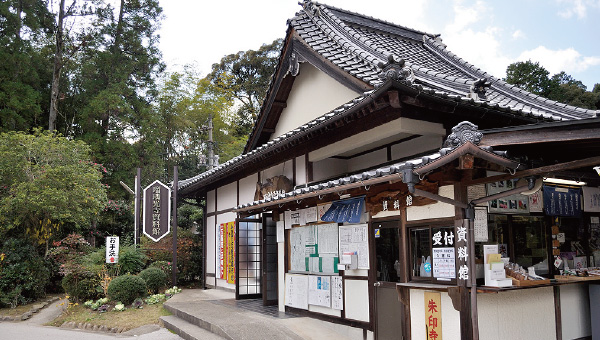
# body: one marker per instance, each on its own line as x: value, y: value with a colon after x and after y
x: 58, y: 64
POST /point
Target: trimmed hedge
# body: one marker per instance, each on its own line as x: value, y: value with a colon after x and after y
x: 126, y: 288
x: 155, y: 279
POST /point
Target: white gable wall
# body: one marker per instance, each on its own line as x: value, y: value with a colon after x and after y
x: 314, y: 93
x: 248, y: 188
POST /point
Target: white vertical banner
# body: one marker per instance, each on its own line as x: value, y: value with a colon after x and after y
x: 112, y: 249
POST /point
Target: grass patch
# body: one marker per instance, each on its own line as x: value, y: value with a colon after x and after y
x: 23, y: 308
x: 128, y: 319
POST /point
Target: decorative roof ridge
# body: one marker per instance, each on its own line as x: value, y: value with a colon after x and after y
x: 388, y: 23
x: 498, y: 84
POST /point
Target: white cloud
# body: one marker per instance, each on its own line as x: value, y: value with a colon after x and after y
x: 568, y: 60
x: 577, y: 8
x: 518, y: 34
x: 480, y: 47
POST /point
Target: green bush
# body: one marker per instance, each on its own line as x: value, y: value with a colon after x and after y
x: 131, y: 260
x: 126, y: 288
x: 166, y: 267
x: 155, y: 279
x: 81, y: 285
x: 23, y: 273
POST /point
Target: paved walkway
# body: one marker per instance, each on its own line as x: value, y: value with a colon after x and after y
x: 218, y: 311
x: 34, y: 329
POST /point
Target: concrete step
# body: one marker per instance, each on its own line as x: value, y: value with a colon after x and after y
x: 187, y: 330
x: 230, y: 323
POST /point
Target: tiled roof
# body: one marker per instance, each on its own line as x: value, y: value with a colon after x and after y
x: 357, y: 44
x: 336, y: 114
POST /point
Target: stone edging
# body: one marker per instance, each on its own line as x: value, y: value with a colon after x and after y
x: 34, y: 309
x: 93, y: 328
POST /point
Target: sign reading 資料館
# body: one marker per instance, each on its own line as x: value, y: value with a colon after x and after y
x: 157, y: 211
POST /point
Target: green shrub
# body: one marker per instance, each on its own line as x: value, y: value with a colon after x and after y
x: 166, y: 267
x: 81, y: 284
x: 23, y: 273
x: 126, y: 288
x: 131, y: 260
x: 155, y: 279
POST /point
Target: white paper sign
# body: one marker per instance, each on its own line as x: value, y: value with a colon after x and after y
x: 354, y: 239
x: 296, y: 291
x: 337, y: 301
x: 591, y: 199
x: 444, y: 263
x: 112, y: 249
x: 319, y: 291
x: 481, y: 225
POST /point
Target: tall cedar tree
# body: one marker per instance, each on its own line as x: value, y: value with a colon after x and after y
x: 25, y: 29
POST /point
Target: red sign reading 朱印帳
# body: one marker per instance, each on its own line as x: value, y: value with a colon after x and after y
x: 157, y: 211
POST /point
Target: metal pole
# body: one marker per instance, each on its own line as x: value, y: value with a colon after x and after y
x: 175, y: 186
x: 136, y: 222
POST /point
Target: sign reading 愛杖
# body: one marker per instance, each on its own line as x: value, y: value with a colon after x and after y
x: 112, y: 249
x: 157, y: 210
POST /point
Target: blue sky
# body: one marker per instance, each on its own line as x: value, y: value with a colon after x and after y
x: 562, y: 35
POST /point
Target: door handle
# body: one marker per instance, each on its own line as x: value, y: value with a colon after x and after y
x: 377, y: 284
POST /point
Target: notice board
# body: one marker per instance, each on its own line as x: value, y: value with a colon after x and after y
x: 355, y: 239
x: 319, y: 290
x: 314, y: 249
x: 296, y: 291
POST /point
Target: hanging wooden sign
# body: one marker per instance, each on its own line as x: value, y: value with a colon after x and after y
x: 396, y: 200
x: 157, y: 211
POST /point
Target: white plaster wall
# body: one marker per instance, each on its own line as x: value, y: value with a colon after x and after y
x: 517, y: 315
x: 356, y: 299
x: 286, y: 169
x: 314, y: 94
x: 417, y: 146
x: 227, y: 196
x: 575, y: 311
x: 436, y: 210
x: 211, y: 241
x: 450, y: 317
x: 371, y: 159
x: 210, y: 201
x: 382, y: 134
x: 300, y: 170
x: 328, y: 168
x: 248, y: 188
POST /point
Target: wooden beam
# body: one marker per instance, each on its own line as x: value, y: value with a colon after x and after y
x: 538, y: 136
x: 586, y: 162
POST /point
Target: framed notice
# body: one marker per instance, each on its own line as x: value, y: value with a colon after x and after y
x: 337, y: 293
x: 481, y: 224
x: 354, y: 239
x: 296, y: 291
x: 319, y: 291
x: 513, y: 204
